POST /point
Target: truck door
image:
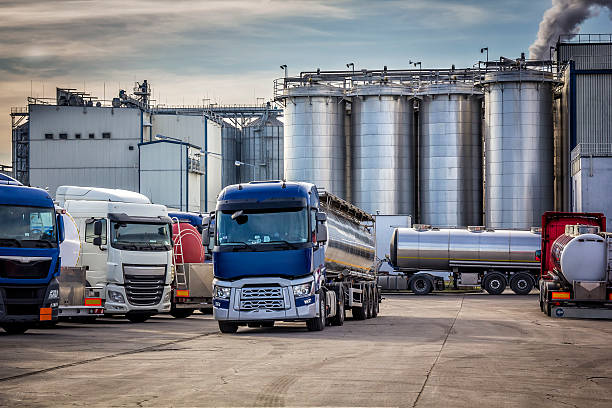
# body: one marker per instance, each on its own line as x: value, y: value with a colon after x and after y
x: 95, y: 257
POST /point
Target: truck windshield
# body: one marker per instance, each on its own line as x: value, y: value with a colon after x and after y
x: 140, y: 237
x: 250, y: 227
x: 28, y: 227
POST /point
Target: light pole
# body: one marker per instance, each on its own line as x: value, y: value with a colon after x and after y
x: 284, y: 67
x: 482, y: 51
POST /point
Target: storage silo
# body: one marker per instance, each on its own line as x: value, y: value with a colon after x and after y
x: 261, y: 149
x: 314, y: 144
x: 230, y: 136
x: 450, y: 155
x: 383, y: 149
x: 518, y: 137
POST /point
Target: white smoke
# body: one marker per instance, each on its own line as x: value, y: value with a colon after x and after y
x: 564, y: 17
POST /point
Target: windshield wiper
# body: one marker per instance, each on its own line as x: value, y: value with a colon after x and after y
x: 40, y: 242
x: 242, y: 243
x: 6, y: 241
x: 289, y: 244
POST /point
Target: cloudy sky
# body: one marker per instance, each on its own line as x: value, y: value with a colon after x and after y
x: 230, y: 50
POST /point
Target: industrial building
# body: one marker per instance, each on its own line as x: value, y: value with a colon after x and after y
x: 177, y: 156
x: 497, y: 144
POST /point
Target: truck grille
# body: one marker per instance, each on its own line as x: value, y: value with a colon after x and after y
x: 22, y: 300
x: 144, y: 285
x: 13, y: 269
x: 262, y: 298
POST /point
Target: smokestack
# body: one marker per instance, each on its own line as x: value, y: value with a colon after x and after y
x: 564, y: 17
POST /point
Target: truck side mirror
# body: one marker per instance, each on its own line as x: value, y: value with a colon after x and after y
x: 321, y: 217
x: 60, y: 228
x: 321, y: 233
x: 97, y: 241
x: 98, y: 228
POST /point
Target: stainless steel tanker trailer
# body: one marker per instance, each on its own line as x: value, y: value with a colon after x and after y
x: 474, y: 256
x: 576, y: 266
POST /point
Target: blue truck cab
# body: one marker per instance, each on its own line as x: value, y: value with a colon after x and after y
x: 30, y: 236
x: 268, y: 254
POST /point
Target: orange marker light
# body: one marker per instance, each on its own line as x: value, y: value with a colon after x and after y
x: 182, y: 293
x: 45, y: 314
x: 560, y: 295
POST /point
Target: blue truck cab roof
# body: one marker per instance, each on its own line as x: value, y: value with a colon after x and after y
x: 191, y: 218
x: 11, y: 194
x: 267, y: 194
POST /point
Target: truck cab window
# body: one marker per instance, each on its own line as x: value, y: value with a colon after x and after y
x: 89, y: 231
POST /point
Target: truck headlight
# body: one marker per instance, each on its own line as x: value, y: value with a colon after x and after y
x: 302, y: 290
x: 222, y: 292
x: 54, y: 294
x: 116, y: 297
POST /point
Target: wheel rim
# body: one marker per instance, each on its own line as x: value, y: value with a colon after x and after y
x: 522, y: 284
x: 495, y: 284
x: 420, y: 284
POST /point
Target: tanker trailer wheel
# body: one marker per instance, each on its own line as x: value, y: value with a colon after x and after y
x: 421, y: 285
x: 370, y: 302
x: 181, y: 313
x: 318, y: 323
x: 227, y: 327
x: 495, y: 283
x: 521, y: 283
x: 338, y: 319
x: 376, y: 296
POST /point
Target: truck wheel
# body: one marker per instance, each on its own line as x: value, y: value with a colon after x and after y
x: 548, y: 307
x: 376, y: 304
x: 521, y: 284
x: 359, y: 312
x: 15, y: 328
x: 338, y: 319
x: 421, y: 285
x: 318, y: 323
x: 369, y: 302
x: 227, y: 327
x: 495, y: 283
x: 138, y: 317
x: 181, y: 313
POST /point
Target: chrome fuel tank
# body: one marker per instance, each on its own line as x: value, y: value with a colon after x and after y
x: 383, y: 147
x: 442, y: 249
x: 450, y: 155
x: 314, y: 139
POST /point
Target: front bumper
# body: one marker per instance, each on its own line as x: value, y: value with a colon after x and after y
x: 29, y: 303
x: 292, y: 310
x: 111, y: 307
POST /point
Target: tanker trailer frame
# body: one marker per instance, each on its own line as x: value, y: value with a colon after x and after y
x: 285, y: 251
x: 474, y: 256
x: 576, y: 266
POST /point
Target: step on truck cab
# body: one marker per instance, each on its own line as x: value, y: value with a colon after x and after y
x: 30, y: 237
x: 126, y: 248
x: 283, y: 251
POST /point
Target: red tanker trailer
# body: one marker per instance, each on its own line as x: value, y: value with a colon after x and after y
x: 576, y: 266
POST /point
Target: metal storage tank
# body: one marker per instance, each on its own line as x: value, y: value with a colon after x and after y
x: 383, y: 149
x: 314, y: 144
x: 450, y: 155
x: 518, y: 135
x: 230, y: 136
x: 261, y: 150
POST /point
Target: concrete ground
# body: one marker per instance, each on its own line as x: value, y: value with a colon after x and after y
x: 454, y: 350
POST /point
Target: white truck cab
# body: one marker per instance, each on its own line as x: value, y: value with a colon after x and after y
x: 126, y: 248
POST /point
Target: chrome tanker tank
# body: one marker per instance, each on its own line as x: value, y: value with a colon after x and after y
x: 314, y: 143
x: 426, y: 248
x: 580, y: 254
x: 350, y: 243
x: 383, y: 147
x: 450, y: 155
x: 261, y: 150
x: 518, y: 134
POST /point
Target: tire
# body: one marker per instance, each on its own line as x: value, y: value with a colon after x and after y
x: 359, y: 312
x: 338, y: 319
x: 495, y: 283
x: 318, y: 323
x: 421, y: 285
x: 267, y: 325
x: 227, y: 327
x: 375, y: 309
x: 181, y: 313
x: 521, y: 283
x: 369, y: 302
x: 548, y: 310
x: 15, y: 328
x: 138, y: 317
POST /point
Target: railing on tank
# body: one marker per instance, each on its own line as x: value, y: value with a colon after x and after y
x: 591, y: 150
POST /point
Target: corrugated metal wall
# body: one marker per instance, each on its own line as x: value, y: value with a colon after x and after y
x: 586, y: 56
x: 593, y: 108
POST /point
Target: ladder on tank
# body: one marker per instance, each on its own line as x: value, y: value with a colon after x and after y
x: 177, y: 254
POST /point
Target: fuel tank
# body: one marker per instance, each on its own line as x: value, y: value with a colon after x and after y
x: 580, y: 254
x: 427, y: 248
